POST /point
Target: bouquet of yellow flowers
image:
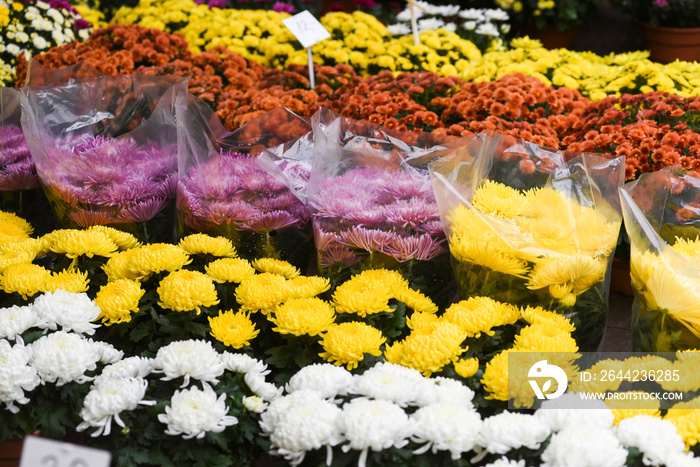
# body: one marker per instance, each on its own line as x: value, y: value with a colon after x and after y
x: 531, y: 227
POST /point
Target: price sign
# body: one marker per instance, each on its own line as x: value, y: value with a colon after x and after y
x: 306, y: 28
x: 42, y: 452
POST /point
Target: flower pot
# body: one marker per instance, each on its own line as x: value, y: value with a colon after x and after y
x: 669, y: 44
x: 10, y: 452
x: 552, y: 38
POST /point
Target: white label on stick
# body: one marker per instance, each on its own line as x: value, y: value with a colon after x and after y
x: 307, y: 29
x: 40, y: 452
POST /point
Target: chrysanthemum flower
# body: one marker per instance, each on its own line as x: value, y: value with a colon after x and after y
x: 347, y: 343
x: 446, y: 427
x: 190, y: 359
x: 11, y: 256
x: 499, y: 200
x: 14, y: 219
x: 376, y: 425
x: 118, y: 300
x: 365, y: 294
x: 185, y: 290
x: 415, y: 300
x: 11, y: 233
x: 15, y: 320
x: 495, y: 381
x: 466, y: 368
x: 71, y: 281
x: 25, y: 279
x: 117, y: 267
x: 74, y: 243
x: 567, y: 276
x: 123, y: 240
x: 62, y: 357
x: 487, y: 254
x: 307, y: 286
x: 276, y: 266
x: 538, y: 315
x: 229, y: 270
x: 262, y: 292
x: 480, y: 314
x: 71, y: 311
x: 508, y: 431
x: 387, y: 381
x: 631, y: 404
x: 233, y: 329
x: 303, y: 316
x: 327, y: 380
x: 419, y: 320
x: 201, y: 243
x: 657, y: 439
x: 584, y: 445
x: 430, y: 348
x: 687, y: 247
x: 544, y: 338
x: 16, y: 374
x: 157, y: 257
x: 193, y: 413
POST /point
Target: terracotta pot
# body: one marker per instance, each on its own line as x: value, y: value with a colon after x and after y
x: 552, y: 38
x: 669, y: 44
x: 620, y: 280
x: 10, y: 452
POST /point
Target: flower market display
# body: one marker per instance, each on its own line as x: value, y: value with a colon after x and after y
x: 204, y: 261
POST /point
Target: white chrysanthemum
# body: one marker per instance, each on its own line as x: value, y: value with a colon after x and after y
x: 496, y: 14
x: 132, y: 367
x: 401, y: 385
x: 63, y: 357
x: 683, y: 459
x: 571, y: 410
x: 374, y: 424
x: 447, y: 390
x: 279, y: 407
x: 15, y: 320
x: 307, y: 424
x: 656, y: 438
x: 16, y: 375
x: 446, y: 427
x: 505, y: 462
x: 194, y: 412
x: 326, y: 379
x: 405, y: 15
x: 108, y: 354
x: 428, y: 24
x: 107, y: 399
x: 191, y: 359
x: 505, y: 431
x: 487, y: 29
x: 242, y: 363
x: 71, y: 311
x: 254, y: 404
x: 584, y: 446
x: 256, y: 382
x: 398, y: 29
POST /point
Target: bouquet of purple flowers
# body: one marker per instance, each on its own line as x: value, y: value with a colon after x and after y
x: 234, y: 185
x: 105, y: 151
x: 372, y: 202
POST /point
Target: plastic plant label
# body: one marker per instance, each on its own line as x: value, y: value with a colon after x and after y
x: 306, y: 28
x: 50, y: 453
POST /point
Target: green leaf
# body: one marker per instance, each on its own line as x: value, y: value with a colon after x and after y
x: 141, y: 331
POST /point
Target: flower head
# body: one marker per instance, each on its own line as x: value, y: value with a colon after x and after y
x: 117, y: 301
x: 481, y: 314
x: 16, y: 374
x: 200, y: 243
x: 74, y: 243
x: 415, y: 300
x: 386, y: 381
x: 327, y: 380
x: 192, y: 359
x: 262, y: 292
x: 186, y: 290
x: 68, y: 280
x: 584, y: 445
x: 276, y: 266
x: 233, y: 329
x: 229, y: 270
x: 71, y: 311
x: 506, y: 431
x: 303, y: 316
x: 307, y: 286
x: 347, y: 343
x: 375, y: 424
x: 123, y: 240
x: 17, y: 319
x: 25, y: 279
x: 446, y: 427
x: 155, y: 258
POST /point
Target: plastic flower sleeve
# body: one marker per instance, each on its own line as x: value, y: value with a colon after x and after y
x: 662, y: 220
x: 105, y: 151
x: 226, y: 187
x: 372, y: 203
x: 532, y: 227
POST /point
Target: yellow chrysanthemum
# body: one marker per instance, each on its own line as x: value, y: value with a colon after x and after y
x: 185, y: 290
x: 10, y: 256
x: 567, y: 276
x: 347, y: 343
x: 429, y: 348
x: 415, y: 300
x: 685, y: 366
x: 12, y: 218
x: 687, y: 247
x: 262, y: 292
x: 389, y: 278
x: 229, y: 270
x: 687, y: 425
x: 70, y: 281
x: 201, y: 243
x: 629, y: 404
x: 466, y: 368
x: 543, y: 338
x: 495, y: 381
x: 307, y: 286
x: 276, y: 266
x: 25, y: 279
x: 118, y: 266
x: 486, y: 254
x: 499, y: 200
x: 600, y: 385
x: 303, y: 316
x: 11, y: 233
x: 368, y: 292
x: 118, y: 300
x: 538, y: 315
x: 157, y: 257
x: 233, y: 329
x: 123, y: 240
x: 480, y: 314
x: 418, y: 320
x: 74, y: 243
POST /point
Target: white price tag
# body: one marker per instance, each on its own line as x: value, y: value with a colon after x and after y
x: 306, y: 28
x: 42, y: 452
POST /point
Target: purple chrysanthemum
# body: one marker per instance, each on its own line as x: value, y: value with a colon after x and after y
x: 17, y: 169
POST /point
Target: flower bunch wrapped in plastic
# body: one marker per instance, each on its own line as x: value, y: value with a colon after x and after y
x: 17, y: 169
x: 661, y: 219
x: 118, y: 167
x: 225, y: 189
x: 529, y: 227
x: 372, y: 202
x: 35, y: 26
